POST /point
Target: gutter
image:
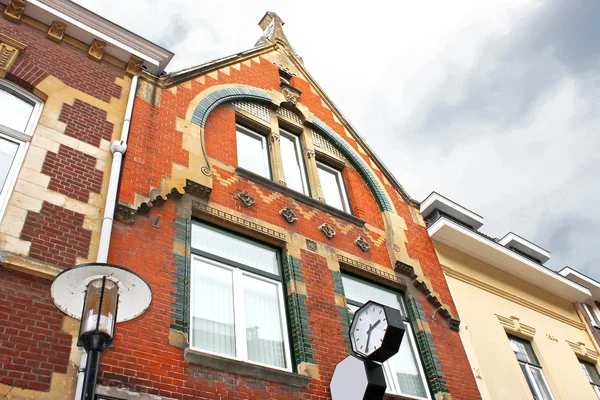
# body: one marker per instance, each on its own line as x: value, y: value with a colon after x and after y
x: 118, y: 148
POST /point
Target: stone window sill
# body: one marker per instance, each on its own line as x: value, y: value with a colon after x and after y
x: 302, y: 198
x: 245, y: 368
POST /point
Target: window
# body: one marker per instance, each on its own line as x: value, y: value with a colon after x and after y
x: 592, y: 374
x: 293, y: 162
x: 531, y: 368
x: 252, y: 152
x: 403, y: 372
x: 18, y: 117
x: 593, y: 314
x: 333, y: 187
x: 237, y: 305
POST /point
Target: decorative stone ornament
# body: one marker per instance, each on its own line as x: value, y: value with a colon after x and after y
x: 327, y: 230
x: 245, y: 197
x: 288, y: 214
x: 376, y: 331
x: 134, y: 65
x: 356, y: 379
x: 311, y: 245
x: 96, y: 50
x: 310, y: 153
x: 14, y: 10
x: 9, y: 50
x: 57, y: 30
x: 362, y: 243
x: 275, y: 137
x: 290, y: 95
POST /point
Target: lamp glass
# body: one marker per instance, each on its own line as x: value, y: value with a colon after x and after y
x: 100, y: 307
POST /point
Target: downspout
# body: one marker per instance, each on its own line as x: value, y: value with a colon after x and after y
x: 118, y: 148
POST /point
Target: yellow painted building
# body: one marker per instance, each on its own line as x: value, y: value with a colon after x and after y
x: 522, y: 325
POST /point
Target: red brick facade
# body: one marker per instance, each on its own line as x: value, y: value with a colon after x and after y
x: 142, y: 361
x: 31, y: 337
x: 51, y: 216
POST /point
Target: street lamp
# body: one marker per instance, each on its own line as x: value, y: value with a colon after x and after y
x: 93, y: 293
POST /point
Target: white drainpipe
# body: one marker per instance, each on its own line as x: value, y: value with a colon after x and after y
x: 118, y: 148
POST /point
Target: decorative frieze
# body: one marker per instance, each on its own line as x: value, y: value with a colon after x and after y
x: 514, y: 325
x: 9, y: 51
x: 57, y: 30
x: 246, y: 198
x: 362, y: 243
x: 197, y: 189
x: 222, y: 215
x: 96, y: 50
x: 288, y: 214
x: 14, y: 10
x: 134, y: 65
x: 367, y: 268
x: 583, y: 352
x: 327, y: 230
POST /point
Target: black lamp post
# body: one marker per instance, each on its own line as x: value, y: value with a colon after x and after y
x: 98, y: 290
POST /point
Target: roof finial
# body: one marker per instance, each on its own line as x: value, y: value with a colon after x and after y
x: 272, y: 27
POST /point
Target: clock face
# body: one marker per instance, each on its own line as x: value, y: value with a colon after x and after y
x: 368, y: 329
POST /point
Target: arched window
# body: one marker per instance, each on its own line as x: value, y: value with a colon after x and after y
x: 19, y: 114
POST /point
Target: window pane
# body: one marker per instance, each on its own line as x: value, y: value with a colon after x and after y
x: 8, y: 150
x: 333, y: 188
x: 591, y: 372
x: 597, y: 391
x: 361, y: 292
x: 293, y: 165
x: 264, y: 328
x: 15, y: 112
x: 252, y: 152
x: 219, y: 243
x: 212, y: 309
x: 529, y: 383
x: 523, y: 351
x: 540, y: 382
x: 404, y: 365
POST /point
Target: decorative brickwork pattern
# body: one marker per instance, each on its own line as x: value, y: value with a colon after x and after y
x: 324, y: 144
x: 73, y: 173
x: 32, y: 342
x: 181, y: 284
x: 57, y: 235
x: 431, y: 362
x: 86, y: 123
x: 222, y: 96
x: 289, y: 114
x: 298, y: 314
x: 344, y: 315
x: 62, y: 60
x: 258, y: 110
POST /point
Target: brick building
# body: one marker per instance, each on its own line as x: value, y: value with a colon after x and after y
x: 261, y: 220
x: 65, y: 78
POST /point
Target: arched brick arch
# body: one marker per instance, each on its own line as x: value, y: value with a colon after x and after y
x: 237, y: 93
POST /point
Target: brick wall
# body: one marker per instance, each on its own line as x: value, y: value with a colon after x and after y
x: 142, y: 361
x: 32, y: 343
x: 86, y: 123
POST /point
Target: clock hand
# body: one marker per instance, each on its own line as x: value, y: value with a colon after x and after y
x: 368, y: 338
x: 371, y: 327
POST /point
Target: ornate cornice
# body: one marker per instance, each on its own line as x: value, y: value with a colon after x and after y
x: 511, y: 297
x: 583, y: 351
x: 372, y: 270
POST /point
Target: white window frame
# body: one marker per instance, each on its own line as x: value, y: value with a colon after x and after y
x: 394, y: 387
x: 245, y: 131
x: 531, y: 380
x: 300, y: 156
x: 341, y: 187
x: 595, y: 387
x: 22, y: 139
x: 593, y: 314
x: 241, y: 349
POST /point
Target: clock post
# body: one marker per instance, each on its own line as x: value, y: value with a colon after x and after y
x: 375, y: 335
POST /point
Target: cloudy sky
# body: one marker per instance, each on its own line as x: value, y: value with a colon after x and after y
x: 495, y: 104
